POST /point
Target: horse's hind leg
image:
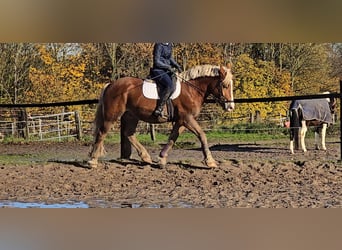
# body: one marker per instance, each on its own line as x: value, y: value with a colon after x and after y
x: 130, y: 124
x: 323, y: 133
x: 317, y: 137
x: 98, y: 148
x: 303, y: 130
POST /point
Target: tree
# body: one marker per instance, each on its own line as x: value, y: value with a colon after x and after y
x: 15, y: 61
x: 192, y: 54
x: 60, y: 76
x: 335, y: 57
x: 308, y: 65
x: 259, y: 79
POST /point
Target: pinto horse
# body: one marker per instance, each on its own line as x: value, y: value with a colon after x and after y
x: 124, y: 99
x: 312, y: 112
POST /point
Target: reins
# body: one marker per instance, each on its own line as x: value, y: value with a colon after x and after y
x: 183, y: 80
x: 199, y: 90
x: 166, y: 72
x: 221, y: 99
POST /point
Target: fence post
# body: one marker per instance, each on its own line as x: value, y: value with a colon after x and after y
x: 40, y: 129
x: 21, y: 123
x: 78, y: 125
x: 251, y: 117
x: 27, y: 135
x: 13, y: 128
x: 58, y: 128
x: 152, y: 132
x: 257, y: 116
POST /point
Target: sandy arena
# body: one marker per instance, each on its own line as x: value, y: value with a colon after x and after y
x: 255, y: 174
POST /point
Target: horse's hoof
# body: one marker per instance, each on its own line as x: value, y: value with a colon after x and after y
x: 211, y: 164
x: 92, y: 163
x: 147, y: 160
x: 162, y: 162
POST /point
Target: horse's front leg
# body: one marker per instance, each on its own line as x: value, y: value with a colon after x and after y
x: 142, y: 152
x: 194, y: 127
x: 177, y: 129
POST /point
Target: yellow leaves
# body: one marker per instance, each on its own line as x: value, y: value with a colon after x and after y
x: 77, y: 71
x: 259, y: 79
x: 45, y: 55
x: 58, y: 80
x: 47, y: 59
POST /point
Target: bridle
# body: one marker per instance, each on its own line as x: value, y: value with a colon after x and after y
x: 199, y: 90
x: 222, y: 84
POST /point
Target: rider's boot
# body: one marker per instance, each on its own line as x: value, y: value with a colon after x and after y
x: 158, y: 112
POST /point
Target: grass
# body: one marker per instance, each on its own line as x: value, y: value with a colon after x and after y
x: 234, y: 133
x: 18, y: 159
x: 187, y: 138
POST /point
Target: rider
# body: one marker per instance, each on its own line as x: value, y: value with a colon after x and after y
x: 164, y: 66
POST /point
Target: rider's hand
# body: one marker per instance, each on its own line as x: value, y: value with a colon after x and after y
x: 173, y: 70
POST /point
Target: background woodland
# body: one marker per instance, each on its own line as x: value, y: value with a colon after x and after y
x: 56, y: 72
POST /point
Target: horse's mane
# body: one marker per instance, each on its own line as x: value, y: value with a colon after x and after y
x: 200, y: 71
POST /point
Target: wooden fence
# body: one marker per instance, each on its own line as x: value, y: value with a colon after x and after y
x: 241, y: 100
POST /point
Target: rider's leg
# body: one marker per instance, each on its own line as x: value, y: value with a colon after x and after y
x: 165, y: 90
x: 164, y: 96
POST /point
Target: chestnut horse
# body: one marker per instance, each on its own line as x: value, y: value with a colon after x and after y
x: 124, y: 98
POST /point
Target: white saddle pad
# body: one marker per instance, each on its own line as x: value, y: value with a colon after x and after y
x: 150, y: 89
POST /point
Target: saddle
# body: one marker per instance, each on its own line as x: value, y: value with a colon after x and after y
x: 150, y: 91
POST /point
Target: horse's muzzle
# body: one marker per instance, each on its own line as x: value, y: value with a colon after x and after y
x: 229, y: 106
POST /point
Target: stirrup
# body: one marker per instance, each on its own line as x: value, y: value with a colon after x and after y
x: 157, y: 113
x: 162, y: 118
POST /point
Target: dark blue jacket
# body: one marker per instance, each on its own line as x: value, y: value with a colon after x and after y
x: 162, y: 57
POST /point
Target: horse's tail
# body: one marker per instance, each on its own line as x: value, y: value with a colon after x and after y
x: 99, y: 119
x: 294, y: 127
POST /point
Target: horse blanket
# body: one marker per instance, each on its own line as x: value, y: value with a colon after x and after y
x: 314, y: 109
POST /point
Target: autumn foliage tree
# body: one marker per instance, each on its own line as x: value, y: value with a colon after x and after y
x: 259, y: 79
x: 60, y: 77
x: 55, y: 72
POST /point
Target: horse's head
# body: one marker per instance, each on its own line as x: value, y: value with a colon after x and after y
x: 225, y: 88
x: 217, y: 81
x: 332, y: 103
